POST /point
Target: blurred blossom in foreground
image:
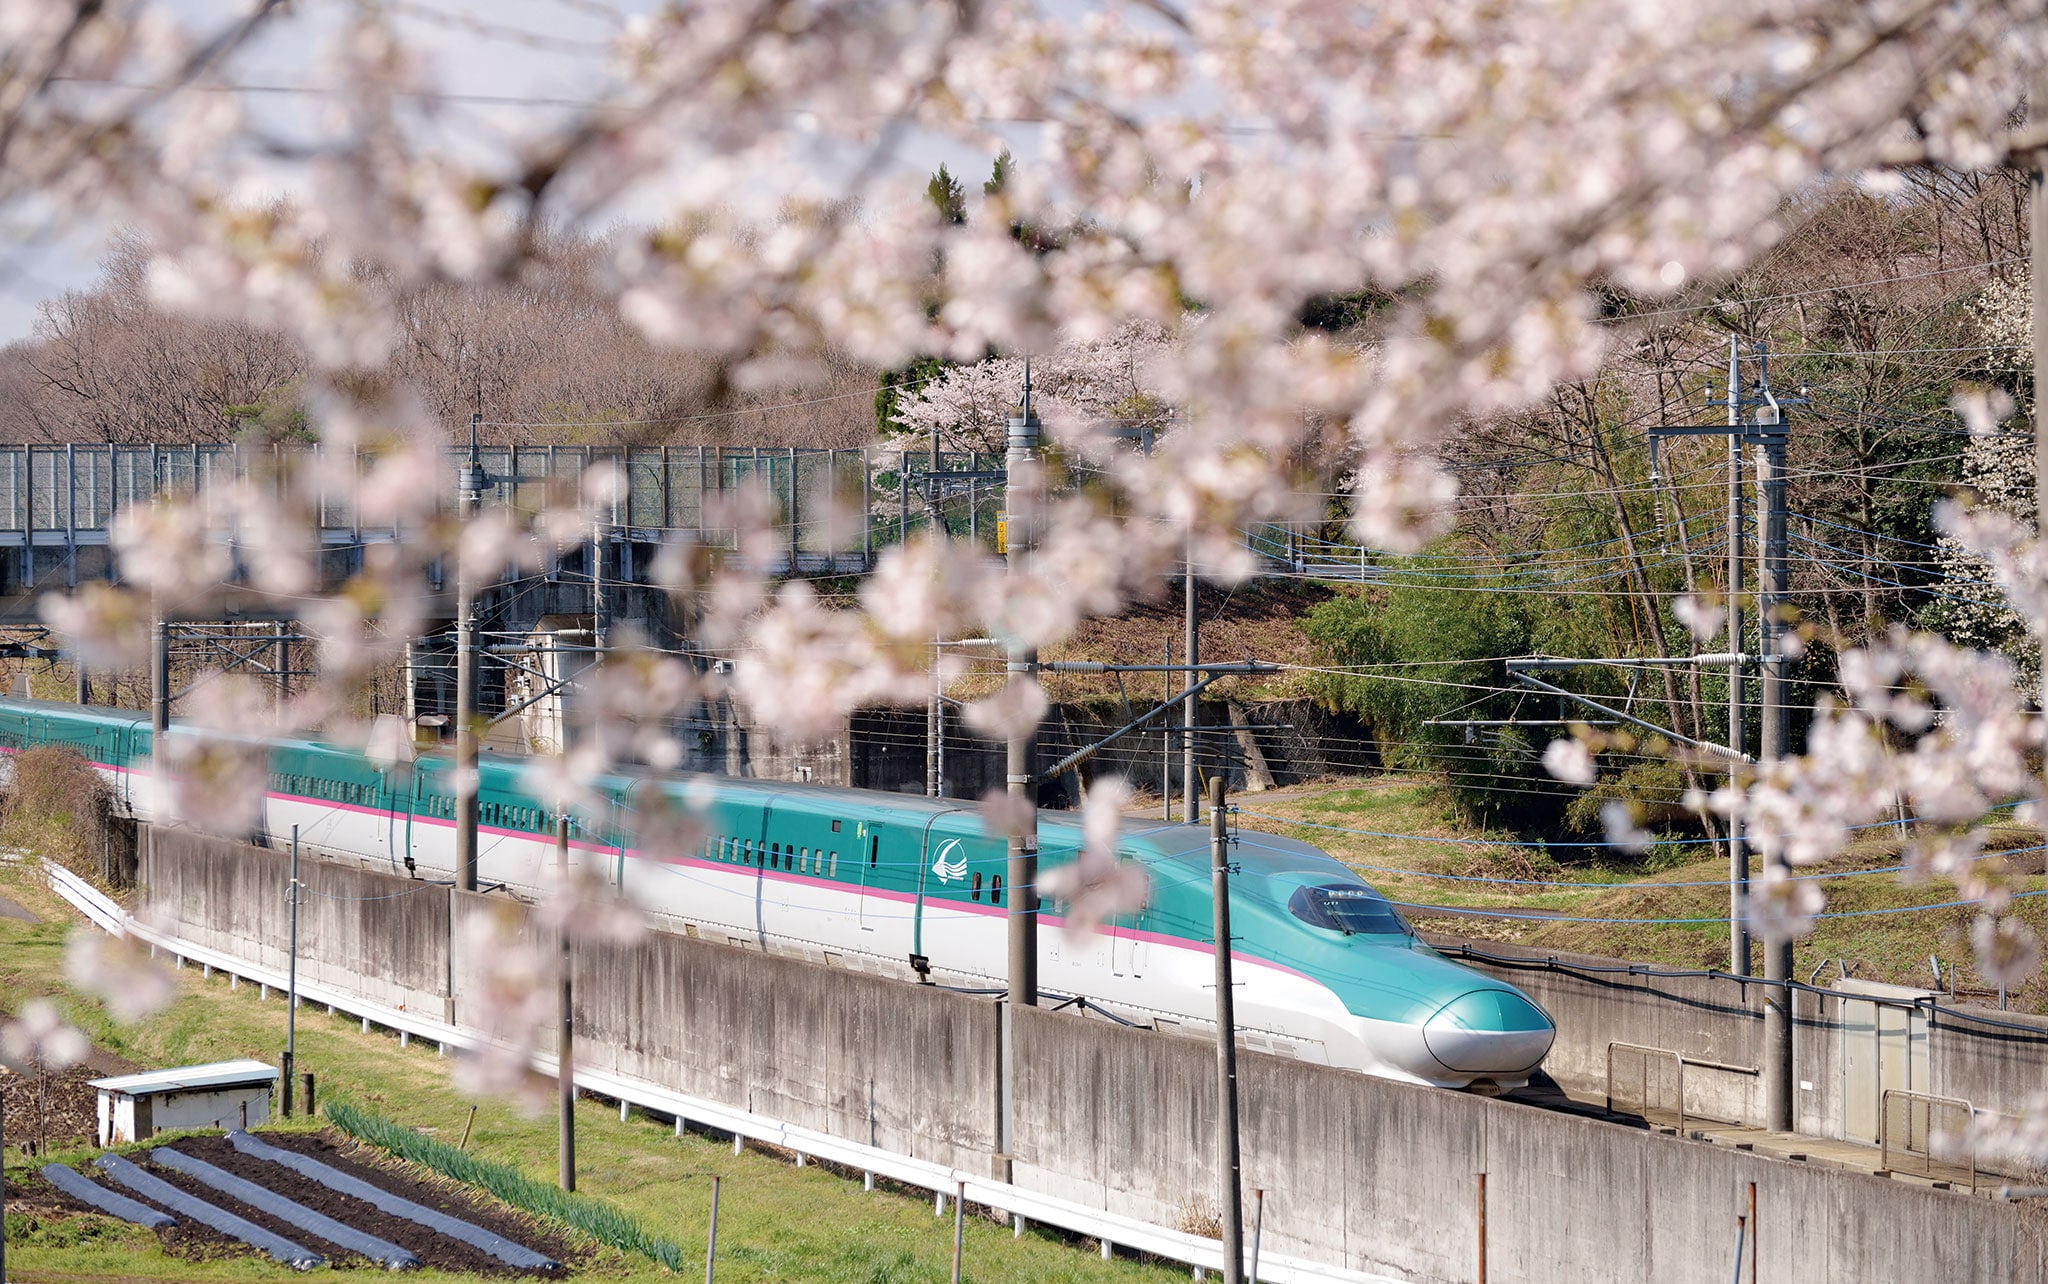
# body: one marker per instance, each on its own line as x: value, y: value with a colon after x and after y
x: 39, y: 1037
x: 1569, y: 761
x: 1781, y: 906
x: 216, y: 759
x: 1701, y: 617
x: 584, y: 904
x: 119, y: 972
x: 1098, y: 884
x: 2008, y: 951
x: 1015, y: 710
x: 1619, y: 820
x: 1004, y: 814
x: 517, y: 998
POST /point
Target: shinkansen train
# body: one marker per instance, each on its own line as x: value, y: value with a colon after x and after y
x: 1327, y: 970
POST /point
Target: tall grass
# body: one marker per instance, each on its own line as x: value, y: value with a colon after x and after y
x: 597, y: 1219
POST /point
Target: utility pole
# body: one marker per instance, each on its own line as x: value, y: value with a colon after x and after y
x: 2037, y: 233
x: 1190, y: 783
x: 160, y: 686
x: 1228, y: 1175
x: 1777, y: 1051
x: 1166, y: 739
x: 598, y: 619
x: 470, y: 494
x: 935, y: 717
x: 1738, y: 855
x: 565, y: 1061
x: 1020, y: 467
x: 931, y: 728
x: 291, y: 994
x: 1021, y: 464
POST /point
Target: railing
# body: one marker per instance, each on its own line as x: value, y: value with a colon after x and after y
x: 1645, y: 1056
x: 1908, y: 1124
x: 1679, y: 1062
x: 837, y: 508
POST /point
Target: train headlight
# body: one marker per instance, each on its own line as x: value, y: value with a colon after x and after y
x: 1489, y: 1032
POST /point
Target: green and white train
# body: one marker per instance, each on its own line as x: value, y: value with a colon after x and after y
x: 1328, y: 971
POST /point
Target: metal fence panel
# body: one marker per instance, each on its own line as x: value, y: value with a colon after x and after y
x: 13, y: 487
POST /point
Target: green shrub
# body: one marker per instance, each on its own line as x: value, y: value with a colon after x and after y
x: 57, y: 806
x: 597, y: 1219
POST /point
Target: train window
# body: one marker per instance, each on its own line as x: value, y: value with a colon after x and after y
x: 976, y: 893
x: 835, y: 865
x: 995, y: 890
x: 805, y: 864
x: 1348, y: 908
x: 835, y: 826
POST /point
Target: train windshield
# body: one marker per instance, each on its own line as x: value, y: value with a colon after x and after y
x: 1348, y: 908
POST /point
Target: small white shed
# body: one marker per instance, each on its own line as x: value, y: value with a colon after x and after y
x: 226, y: 1094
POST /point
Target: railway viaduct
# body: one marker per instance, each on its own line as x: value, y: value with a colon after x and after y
x: 1362, y: 1179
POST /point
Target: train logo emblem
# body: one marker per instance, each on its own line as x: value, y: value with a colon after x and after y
x: 956, y: 868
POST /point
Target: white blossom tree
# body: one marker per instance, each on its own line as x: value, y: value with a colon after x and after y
x: 1080, y: 389
x: 1485, y: 167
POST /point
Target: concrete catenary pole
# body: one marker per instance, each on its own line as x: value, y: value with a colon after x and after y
x: 1228, y: 1176
x: 565, y: 1066
x: 2037, y: 234
x: 1738, y: 854
x: 1020, y: 465
x: 1190, y: 782
x: 935, y: 716
x: 470, y: 494
x: 160, y: 684
x: 1777, y: 1051
x: 291, y: 988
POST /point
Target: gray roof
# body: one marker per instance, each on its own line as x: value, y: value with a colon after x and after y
x: 219, y: 1074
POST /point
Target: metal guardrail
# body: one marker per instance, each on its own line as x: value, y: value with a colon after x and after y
x: 1679, y: 1062
x: 1107, y: 1227
x: 88, y: 900
x: 1907, y: 1126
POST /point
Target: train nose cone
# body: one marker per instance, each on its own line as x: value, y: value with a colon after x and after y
x: 1489, y: 1032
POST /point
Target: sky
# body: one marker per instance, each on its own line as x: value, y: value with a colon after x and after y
x: 537, y: 53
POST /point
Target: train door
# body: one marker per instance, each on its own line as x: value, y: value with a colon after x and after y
x: 1123, y: 947
x: 410, y: 801
x: 868, y: 851
x: 757, y: 846
x: 942, y: 861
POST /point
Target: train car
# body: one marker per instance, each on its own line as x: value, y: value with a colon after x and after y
x: 1328, y: 970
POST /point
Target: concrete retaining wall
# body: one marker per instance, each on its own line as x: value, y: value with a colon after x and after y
x: 1384, y: 1177
x: 1358, y: 1172
x: 1970, y: 1052
x: 860, y: 1057
x: 390, y: 934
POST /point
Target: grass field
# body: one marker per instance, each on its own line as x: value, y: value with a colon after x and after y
x: 776, y: 1222
x: 1880, y: 946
